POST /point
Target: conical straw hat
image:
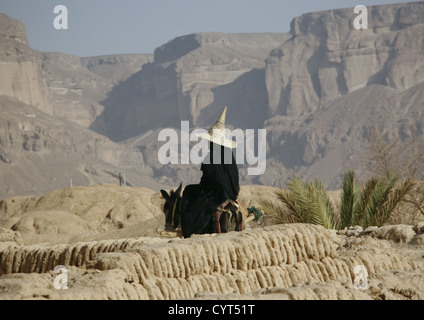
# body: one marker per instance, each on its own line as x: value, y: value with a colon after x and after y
x: 216, y: 133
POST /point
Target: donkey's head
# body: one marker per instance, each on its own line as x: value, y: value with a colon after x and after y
x: 172, y: 209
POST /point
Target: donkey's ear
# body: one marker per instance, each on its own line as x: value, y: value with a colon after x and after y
x: 165, y: 194
x: 178, y: 191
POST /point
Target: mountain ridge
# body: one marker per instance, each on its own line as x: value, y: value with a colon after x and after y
x: 317, y: 90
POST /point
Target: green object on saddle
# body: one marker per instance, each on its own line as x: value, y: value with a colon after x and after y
x: 259, y: 216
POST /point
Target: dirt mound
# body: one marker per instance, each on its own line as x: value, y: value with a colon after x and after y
x: 83, y: 214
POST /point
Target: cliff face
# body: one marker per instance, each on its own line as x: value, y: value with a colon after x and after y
x: 327, y: 57
x: 317, y: 90
x: 40, y: 153
x: 18, y: 66
x: 59, y: 84
x: 191, y: 78
x: 47, y: 100
x: 76, y: 86
x: 330, y: 83
x: 210, y: 75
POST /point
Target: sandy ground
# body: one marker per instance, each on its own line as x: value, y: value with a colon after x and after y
x: 105, y: 236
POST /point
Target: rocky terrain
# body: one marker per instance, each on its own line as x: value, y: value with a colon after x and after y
x: 105, y: 236
x: 289, y: 262
x: 330, y: 83
x: 62, y: 85
x: 327, y: 58
x: 47, y: 101
x: 40, y: 153
x: 191, y: 78
x: 317, y: 90
x: 317, y: 93
x: 20, y: 73
x: 78, y: 85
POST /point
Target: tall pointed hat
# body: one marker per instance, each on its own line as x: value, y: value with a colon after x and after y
x: 216, y: 133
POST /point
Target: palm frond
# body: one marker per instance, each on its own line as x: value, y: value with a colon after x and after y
x: 277, y: 213
x: 394, y: 198
x: 350, y: 199
x: 309, y: 203
x: 297, y: 199
x: 365, y: 199
x: 324, y: 211
x: 371, y: 212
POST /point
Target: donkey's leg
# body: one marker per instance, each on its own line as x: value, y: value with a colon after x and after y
x: 217, y: 217
x: 239, y: 219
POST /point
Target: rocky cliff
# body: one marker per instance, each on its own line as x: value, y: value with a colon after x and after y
x: 327, y: 57
x: 47, y: 100
x: 40, y: 153
x: 191, y: 78
x: 76, y: 86
x: 330, y: 83
x: 317, y: 90
x: 20, y: 72
x: 59, y: 84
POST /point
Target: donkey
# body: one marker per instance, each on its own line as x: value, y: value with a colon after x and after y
x: 172, y: 209
x: 231, y: 218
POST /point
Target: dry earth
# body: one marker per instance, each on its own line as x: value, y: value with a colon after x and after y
x: 104, y: 235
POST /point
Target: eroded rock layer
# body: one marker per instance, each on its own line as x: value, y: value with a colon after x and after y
x: 232, y: 264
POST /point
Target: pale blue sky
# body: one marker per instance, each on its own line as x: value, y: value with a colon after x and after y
x: 98, y: 27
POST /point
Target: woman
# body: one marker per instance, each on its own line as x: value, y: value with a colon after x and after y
x: 202, y: 204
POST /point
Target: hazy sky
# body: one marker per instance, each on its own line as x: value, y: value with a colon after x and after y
x: 98, y: 27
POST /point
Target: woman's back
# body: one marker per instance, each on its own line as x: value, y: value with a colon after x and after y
x: 220, y: 176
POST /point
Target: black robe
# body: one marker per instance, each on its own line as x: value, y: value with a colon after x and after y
x: 219, y: 182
